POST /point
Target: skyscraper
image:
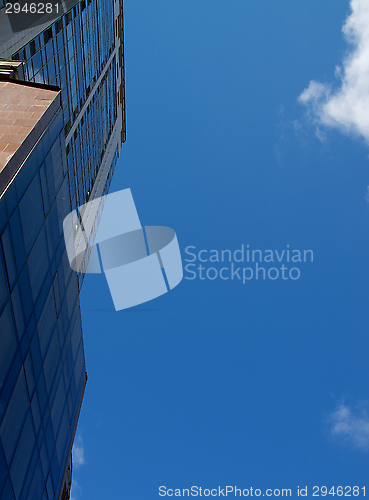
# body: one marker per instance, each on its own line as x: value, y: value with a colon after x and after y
x: 62, y: 122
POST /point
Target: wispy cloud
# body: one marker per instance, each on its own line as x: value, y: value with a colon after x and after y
x: 78, y: 457
x: 367, y: 194
x: 78, y: 452
x: 346, y: 107
x: 351, y: 425
x: 75, y: 490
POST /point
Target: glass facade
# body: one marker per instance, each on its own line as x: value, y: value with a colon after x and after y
x: 73, y: 54
x: 42, y: 368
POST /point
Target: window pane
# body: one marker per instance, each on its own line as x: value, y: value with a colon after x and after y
x: 22, y: 456
x: 14, y: 417
x: 4, y: 290
x: 9, y: 256
x: 9, y: 343
x: 31, y: 212
x: 38, y: 263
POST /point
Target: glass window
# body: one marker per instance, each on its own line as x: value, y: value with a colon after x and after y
x: 63, y: 438
x: 15, y: 414
x: 58, y: 405
x: 30, y: 378
x: 4, y: 289
x: 25, y: 288
x: 37, y: 486
x: 49, y: 486
x: 45, y: 289
x: 46, y: 141
x: 76, y: 336
x: 11, y: 198
x: 55, y: 471
x: 3, y: 214
x: 8, y: 491
x: 36, y: 413
x: 38, y: 263
x: 23, y: 456
x: 51, y: 71
x: 45, y: 194
x: 31, y: 212
x: 50, y: 239
x: 17, y: 237
x: 46, y: 323
x: 51, y: 360
x: 49, y: 176
x: 42, y: 393
x: 9, y: 256
x: 3, y: 468
x: 9, y: 343
x: 36, y: 356
x: 36, y: 62
x: 49, y: 47
x: 49, y: 438
x: 79, y: 369
x: 57, y: 162
x: 18, y: 311
x: 44, y: 458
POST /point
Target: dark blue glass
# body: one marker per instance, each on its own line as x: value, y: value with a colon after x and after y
x: 55, y: 472
x: 50, y: 359
x: 49, y: 438
x: 30, y: 377
x: 57, y: 159
x: 11, y: 198
x: 45, y: 289
x: 18, y: 311
x: 49, y: 486
x: 17, y: 237
x: 25, y: 288
x: 14, y: 417
x: 36, y: 413
x: 9, y: 256
x: 4, y: 289
x: 22, y: 457
x: 58, y: 405
x: 42, y: 393
x: 37, y: 485
x: 10, y: 382
x: 62, y: 437
x: 49, y: 177
x: 3, y: 468
x: 46, y: 323
x: 31, y: 220
x: 38, y: 263
x: 7, y: 493
x: 36, y: 359
x: 9, y: 342
x: 44, y: 458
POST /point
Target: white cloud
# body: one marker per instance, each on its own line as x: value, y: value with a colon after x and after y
x: 347, y: 107
x: 78, y: 452
x: 75, y: 490
x: 367, y: 195
x: 351, y: 425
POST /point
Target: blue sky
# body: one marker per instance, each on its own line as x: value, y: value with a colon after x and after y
x: 262, y: 384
